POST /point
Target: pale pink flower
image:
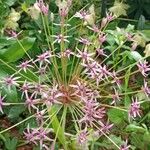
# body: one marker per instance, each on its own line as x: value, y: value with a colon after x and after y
x: 82, y: 14
x: 25, y: 88
x: 30, y: 135
x: 12, y: 33
x: 84, y: 55
x: 43, y: 7
x: 110, y: 16
x: 67, y: 53
x: 84, y: 41
x: 90, y: 111
x: 82, y: 136
x: 106, y: 127
x: 103, y: 71
x: 30, y: 102
x: 80, y: 89
x: 42, y: 70
x: 94, y: 28
x: 91, y: 68
x: 129, y: 37
x: 60, y: 38
x: 40, y: 116
x: 146, y: 89
x: 143, y: 67
x: 44, y: 58
x: 25, y: 65
x: 100, y: 52
x: 115, y: 97
x: 134, y: 109
x: 63, y: 12
x: 116, y: 79
x: 11, y: 81
x: 42, y: 135
x: 99, y: 113
x: 52, y: 95
x: 124, y: 146
x: 102, y: 38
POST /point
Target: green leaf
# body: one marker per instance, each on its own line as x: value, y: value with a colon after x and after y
x: 58, y: 129
x: 135, y: 55
x: 17, y: 50
x: 110, y: 39
x: 135, y: 128
x: 11, y: 144
x: 116, y: 116
x: 146, y: 137
x: 130, y: 28
x: 15, y: 111
x: 10, y: 2
x: 4, y: 41
x: 11, y: 95
x: 146, y: 33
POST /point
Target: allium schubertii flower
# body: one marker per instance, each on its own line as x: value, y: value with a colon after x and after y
x: 75, y: 84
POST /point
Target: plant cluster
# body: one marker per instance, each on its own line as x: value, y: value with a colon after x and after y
x: 86, y: 87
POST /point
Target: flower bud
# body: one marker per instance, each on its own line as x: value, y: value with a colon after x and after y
x: 52, y: 16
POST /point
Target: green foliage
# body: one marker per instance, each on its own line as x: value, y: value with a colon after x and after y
x: 116, y: 116
x: 11, y: 144
x: 17, y: 50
